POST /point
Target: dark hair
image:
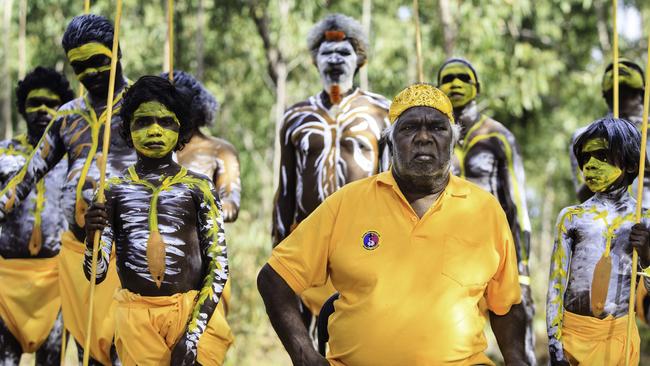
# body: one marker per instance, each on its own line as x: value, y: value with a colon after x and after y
x: 204, y: 105
x: 88, y: 28
x: 155, y: 88
x: 623, y: 141
x: 466, y: 63
x: 42, y: 77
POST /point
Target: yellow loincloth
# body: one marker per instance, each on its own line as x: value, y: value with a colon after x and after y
x: 74, y: 299
x: 641, y: 293
x: 148, y: 327
x: 29, y: 299
x: 595, y: 342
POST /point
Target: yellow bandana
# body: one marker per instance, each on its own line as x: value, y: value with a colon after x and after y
x: 88, y: 50
x: 420, y: 95
x: 43, y: 93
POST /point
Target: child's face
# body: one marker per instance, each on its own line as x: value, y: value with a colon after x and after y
x: 598, y: 171
x: 154, y: 130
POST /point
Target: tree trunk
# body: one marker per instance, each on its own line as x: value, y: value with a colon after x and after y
x: 8, y: 87
x: 448, y: 31
x: 366, y: 20
x: 22, y: 33
x: 200, y: 54
x: 280, y: 88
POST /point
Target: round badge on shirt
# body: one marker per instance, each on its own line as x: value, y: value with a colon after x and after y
x: 371, y: 240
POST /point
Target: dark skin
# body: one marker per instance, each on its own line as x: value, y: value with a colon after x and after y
x: 421, y: 153
x: 97, y: 83
x: 190, y: 266
x: 38, y: 121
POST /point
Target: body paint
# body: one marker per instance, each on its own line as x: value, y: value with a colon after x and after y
x: 154, y: 133
x: 598, y: 175
x: 43, y: 93
x: 88, y: 50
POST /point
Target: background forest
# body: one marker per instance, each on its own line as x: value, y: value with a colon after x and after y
x: 540, y: 63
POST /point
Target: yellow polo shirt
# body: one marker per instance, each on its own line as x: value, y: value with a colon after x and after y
x: 409, y: 287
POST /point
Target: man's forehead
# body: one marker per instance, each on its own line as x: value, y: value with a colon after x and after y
x: 423, y: 114
x: 456, y: 68
x: 595, y: 144
x: 331, y: 45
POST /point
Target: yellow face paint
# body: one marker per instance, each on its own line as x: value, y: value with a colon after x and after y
x: 627, y: 76
x: 93, y: 70
x: 153, y: 140
x: 599, y: 175
x: 43, y: 93
x: 88, y: 50
x: 460, y: 92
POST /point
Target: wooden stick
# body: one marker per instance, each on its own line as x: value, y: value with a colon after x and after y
x: 639, y: 199
x: 170, y: 37
x: 418, y: 40
x: 615, y: 52
x: 102, y: 175
x: 86, y: 11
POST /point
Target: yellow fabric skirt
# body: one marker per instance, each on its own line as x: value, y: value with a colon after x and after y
x: 590, y: 341
x: 29, y: 299
x: 148, y: 327
x: 75, y: 290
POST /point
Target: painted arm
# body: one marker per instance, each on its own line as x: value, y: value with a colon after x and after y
x: 557, y: 284
x: 385, y: 155
x: 227, y: 181
x: 284, y: 204
x: 212, y: 240
x: 49, y: 151
x: 99, y: 217
x: 10, y: 161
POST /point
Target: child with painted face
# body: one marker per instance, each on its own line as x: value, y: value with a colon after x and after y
x: 30, y: 301
x: 589, y: 283
x: 167, y: 227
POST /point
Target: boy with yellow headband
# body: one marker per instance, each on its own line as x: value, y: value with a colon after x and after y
x: 589, y: 283
x: 29, y: 238
x: 167, y: 227
x: 77, y: 132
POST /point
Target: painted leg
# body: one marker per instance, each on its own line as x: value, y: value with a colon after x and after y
x: 10, y: 349
x: 50, y: 351
x: 80, y: 354
x: 529, y: 306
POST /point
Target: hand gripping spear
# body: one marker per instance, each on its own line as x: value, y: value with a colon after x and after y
x: 102, y: 176
x: 639, y: 198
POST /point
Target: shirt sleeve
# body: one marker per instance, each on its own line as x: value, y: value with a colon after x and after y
x: 503, y: 290
x: 302, y: 258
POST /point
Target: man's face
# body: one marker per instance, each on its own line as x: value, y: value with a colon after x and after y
x: 40, y: 107
x: 91, y: 63
x: 599, y: 172
x: 422, y: 142
x: 336, y: 62
x: 627, y: 76
x: 458, y: 82
x: 154, y: 130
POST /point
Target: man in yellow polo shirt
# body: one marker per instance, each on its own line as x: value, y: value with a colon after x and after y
x: 411, y: 251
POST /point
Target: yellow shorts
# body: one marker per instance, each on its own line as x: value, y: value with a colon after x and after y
x: 29, y: 299
x: 147, y: 328
x: 75, y: 290
x: 598, y: 342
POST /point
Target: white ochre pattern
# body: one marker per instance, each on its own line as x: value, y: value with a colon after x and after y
x: 420, y: 95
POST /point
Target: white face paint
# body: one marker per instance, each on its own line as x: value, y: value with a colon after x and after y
x: 336, y: 62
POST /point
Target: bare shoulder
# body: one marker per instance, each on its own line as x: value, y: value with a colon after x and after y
x: 493, y: 126
x: 376, y: 99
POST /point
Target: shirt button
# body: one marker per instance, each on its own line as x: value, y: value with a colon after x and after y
x: 414, y: 219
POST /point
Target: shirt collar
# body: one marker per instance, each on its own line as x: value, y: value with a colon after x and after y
x: 455, y: 187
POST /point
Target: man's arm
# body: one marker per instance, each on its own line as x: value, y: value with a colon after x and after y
x: 510, y: 331
x: 49, y: 151
x: 284, y: 203
x: 212, y: 240
x: 282, y: 308
x: 227, y: 180
x: 99, y: 217
x: 558, y: 278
